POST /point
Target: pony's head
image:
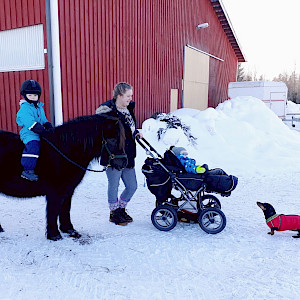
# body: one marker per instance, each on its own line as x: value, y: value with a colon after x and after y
x: 87, y: 137
x: 113, y: 143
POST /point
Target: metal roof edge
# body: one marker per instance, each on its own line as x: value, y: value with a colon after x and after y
x: 226, y: 24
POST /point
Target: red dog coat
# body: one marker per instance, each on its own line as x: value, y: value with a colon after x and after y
x: 284, y: 222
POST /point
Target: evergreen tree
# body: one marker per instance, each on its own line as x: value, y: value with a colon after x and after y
x: 240, y: 73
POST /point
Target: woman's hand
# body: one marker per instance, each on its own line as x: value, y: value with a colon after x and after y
x: 139, y: 134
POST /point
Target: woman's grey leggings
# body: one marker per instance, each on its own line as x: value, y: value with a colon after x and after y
x: 129, y: 179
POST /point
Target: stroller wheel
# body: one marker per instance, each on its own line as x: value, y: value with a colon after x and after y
x: 164, y: 217
x: 208, y: 201
x: 212, y: 220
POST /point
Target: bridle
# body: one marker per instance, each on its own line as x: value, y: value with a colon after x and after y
x: 111, y: 155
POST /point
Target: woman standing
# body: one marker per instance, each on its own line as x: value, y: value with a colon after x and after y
x: 121, y: 106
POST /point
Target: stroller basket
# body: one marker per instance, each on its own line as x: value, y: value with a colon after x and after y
x: 158, y: 180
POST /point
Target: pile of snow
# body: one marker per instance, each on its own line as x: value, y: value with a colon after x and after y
x: 241, y: 135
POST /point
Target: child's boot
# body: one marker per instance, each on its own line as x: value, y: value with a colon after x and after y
x: 29, y: 175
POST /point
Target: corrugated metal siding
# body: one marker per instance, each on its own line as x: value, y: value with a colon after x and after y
x: 141, y: 42
x: 107, y: 41
x: 15, y: 14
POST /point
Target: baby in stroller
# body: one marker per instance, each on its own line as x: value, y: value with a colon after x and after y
x: 216, y: 180
x: 190, y: 164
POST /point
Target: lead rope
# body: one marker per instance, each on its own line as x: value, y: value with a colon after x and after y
x: 71, y: 161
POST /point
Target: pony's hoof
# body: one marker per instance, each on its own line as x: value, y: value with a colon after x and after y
x: 1, y: 229
x: 75, y: 234
x: 72, y: 233
x: 54, y: 238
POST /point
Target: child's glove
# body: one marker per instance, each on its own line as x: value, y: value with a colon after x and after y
x: 38, y: 128
x: 49, y: 128
x: 48, y: 125
x: 200, y: 170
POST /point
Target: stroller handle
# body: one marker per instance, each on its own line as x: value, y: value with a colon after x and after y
x: 146, y: 145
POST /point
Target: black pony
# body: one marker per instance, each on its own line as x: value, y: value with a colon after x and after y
x: 79, y: 141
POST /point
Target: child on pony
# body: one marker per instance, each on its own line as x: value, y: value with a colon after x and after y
x: 31, y: 117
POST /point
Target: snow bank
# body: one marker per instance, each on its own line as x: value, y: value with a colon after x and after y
x: 241, y: 135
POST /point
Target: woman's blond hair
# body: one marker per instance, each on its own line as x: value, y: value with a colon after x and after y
x: 121, y: 88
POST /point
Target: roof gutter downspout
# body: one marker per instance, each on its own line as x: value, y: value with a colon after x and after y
x: 54, y: 61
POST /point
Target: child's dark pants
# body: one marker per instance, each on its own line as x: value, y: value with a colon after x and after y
x: 30, y: 155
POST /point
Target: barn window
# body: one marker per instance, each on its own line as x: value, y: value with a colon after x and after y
x: 22, y: 49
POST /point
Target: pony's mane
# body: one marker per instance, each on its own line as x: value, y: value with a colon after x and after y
x: 87, y: 131
x: 82, y: 129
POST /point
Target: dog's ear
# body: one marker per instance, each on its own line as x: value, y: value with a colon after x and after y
x: 261, y: 205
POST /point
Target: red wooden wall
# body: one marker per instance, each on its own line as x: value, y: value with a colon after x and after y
x: 106, y: 41
x: 141, y: 42
x: 15, y: 14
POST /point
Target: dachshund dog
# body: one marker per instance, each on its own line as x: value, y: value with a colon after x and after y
x: 279, y: 222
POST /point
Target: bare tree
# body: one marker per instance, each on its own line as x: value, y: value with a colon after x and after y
x: 292, y: 82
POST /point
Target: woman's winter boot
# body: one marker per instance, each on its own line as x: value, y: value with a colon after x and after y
x: 117, y: 217
x: 125, y: 215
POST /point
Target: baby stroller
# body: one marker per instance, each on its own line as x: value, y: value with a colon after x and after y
x: 195, y: 203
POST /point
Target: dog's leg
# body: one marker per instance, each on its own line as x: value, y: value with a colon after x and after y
x: 298, y: 235
x: 272, y: 230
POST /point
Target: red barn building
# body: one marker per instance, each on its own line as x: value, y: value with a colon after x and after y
x: 78, y: 51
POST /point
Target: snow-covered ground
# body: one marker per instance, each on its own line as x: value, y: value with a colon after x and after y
x: 137, y: 261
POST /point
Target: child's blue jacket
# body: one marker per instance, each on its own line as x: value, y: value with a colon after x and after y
x: 27, y: 116
x: 188, y: 163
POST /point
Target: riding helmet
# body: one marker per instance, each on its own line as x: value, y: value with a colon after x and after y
x: 30, y: 87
